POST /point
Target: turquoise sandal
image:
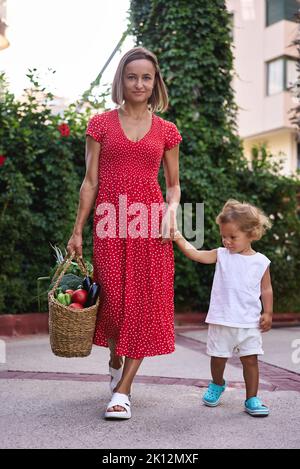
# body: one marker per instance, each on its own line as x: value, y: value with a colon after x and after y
x: 255, y: 407
x: 213, y: 394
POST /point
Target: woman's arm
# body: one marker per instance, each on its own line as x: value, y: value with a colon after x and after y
x: 205, y: 257
x: 173, y: 192
x: 267, y: 301
x: 87, y: 194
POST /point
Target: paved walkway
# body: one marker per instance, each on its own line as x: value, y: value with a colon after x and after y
x: 52, y: 402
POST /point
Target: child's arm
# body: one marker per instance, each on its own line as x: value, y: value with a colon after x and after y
x: 267, y: 301
x: 205, y: 257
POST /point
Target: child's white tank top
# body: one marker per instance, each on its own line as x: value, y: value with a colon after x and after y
x: 235, y: 296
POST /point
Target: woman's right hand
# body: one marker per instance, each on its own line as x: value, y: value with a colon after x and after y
x: 75, y: 244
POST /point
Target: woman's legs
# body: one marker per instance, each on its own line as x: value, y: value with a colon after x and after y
x: 130, y: 369
x: 115, y: 360
x: 251, y: 375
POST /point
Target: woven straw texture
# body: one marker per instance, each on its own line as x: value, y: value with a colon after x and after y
x: 71, y: 330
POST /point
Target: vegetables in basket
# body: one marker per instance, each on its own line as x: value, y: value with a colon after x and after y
x: 64, y: 298
x: 93, y: 294
x: 85, y: 297
x: 73, y: 268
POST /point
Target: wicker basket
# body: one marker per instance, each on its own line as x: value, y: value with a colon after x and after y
x: 71, y: 330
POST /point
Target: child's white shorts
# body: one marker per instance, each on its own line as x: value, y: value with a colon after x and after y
x: 224, y: 341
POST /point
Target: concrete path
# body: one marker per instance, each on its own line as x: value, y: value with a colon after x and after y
x: 52, y: 402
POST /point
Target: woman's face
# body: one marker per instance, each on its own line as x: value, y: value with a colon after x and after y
x: 138, y: 81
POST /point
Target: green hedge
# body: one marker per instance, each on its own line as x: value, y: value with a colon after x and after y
x: 39, y: 187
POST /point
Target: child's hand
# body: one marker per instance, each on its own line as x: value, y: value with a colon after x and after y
x: 265, y: 322
x: 168, y: 226
x: 177, y: 235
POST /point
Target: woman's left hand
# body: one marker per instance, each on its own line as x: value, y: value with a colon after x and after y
x: 168, y: 226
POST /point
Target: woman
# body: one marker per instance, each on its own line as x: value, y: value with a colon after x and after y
x: 133, y: 256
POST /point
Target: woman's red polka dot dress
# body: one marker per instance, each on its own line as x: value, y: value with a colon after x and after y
x: 136, y: 273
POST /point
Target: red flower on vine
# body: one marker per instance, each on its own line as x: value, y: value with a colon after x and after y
x: 64, y: 130
x: 2, y: 159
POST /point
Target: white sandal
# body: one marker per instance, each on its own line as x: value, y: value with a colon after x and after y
x: 116, y: 375
x: 121, y: 400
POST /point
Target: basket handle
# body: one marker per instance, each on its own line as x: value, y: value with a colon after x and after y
x: 61, y: 269
x: 82, y: 266
x: 60, y: 266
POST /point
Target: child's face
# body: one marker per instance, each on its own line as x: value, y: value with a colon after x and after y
x: 233, y: 238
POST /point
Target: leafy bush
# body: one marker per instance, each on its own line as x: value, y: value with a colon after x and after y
x: 41, y: 172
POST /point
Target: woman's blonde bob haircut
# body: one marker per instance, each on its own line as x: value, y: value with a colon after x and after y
x: 159, y: 100
x: 250, y: 219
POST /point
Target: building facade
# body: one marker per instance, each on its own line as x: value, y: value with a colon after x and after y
x: 265, y: 66
x: 3, y: 24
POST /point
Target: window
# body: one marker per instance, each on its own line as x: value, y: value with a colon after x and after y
x: 282, y: 75
x: 231, y: 24
x: 291, y: 73
x: 291, y: 8
x: 275, y: 74
x: 277, y: 10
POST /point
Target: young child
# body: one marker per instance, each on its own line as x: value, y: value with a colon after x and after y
x: 235, y: 321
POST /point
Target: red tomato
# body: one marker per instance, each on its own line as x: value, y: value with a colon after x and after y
x: 70, y: 292
x: 79, y: 296
x: 76, y: 306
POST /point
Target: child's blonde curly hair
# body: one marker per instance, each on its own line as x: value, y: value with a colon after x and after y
x: 250, y: 219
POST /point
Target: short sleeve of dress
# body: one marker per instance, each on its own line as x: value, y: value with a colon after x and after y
x: 96, y: 127
x: 172, y: 135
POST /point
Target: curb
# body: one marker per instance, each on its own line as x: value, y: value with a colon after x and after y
x: 14, y: 325
x: 199, y: 318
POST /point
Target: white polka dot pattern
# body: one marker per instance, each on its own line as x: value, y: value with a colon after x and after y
x: 136, y: 274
